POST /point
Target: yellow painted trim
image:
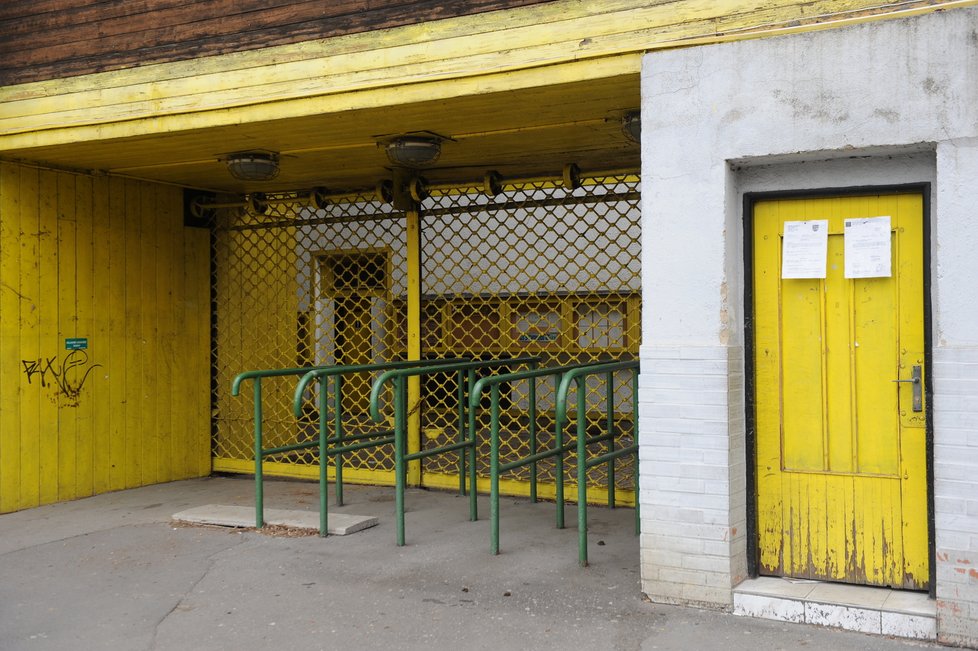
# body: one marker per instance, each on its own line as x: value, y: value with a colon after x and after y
x: 438, y: 481
x: 293, y: 471
x: 545, y: 491
x: 430, y: 61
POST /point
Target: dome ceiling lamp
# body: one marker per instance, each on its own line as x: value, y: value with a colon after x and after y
x: 414, y: 150
x: 254, y: 165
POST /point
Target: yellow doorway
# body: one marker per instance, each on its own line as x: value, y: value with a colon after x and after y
x: 840, y: 444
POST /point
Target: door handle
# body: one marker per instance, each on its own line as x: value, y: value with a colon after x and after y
x: 918, y: 393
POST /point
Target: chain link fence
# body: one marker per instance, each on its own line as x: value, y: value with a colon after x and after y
x: 537, y: 269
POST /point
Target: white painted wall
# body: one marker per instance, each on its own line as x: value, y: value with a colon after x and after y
x: 883, y: 102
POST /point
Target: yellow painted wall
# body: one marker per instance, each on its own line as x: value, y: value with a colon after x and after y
x: 108, y: 259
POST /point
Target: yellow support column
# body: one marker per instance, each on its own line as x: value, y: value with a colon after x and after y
x: 413, y: 217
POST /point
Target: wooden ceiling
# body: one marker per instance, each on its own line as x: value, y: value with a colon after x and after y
x: 519, y: 133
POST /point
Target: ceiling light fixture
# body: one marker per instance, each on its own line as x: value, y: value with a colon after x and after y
x: 631, y: 126
x: 413, y: 151
x: 253, y: 165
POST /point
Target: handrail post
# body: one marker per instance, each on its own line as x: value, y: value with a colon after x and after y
x: 559, y: 471
x: 259, y: 479
x: 402, y: 455
x: 473, y: 443
x: 461, y: 430
x: 532, y: 397
x: 323, y: 436
x: 581, y: 472
x: 337, y: 432
x: 400, y: 466
x: 494, y: 471
x: 610, y: 422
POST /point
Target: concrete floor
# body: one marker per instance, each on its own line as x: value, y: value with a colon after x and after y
x: 113, y: 572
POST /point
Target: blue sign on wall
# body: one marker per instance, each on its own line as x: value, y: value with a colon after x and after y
x: 76, y: 343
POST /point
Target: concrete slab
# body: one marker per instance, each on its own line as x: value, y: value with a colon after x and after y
x: 338, y: 524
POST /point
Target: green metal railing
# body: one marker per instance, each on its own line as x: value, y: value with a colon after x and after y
x: 466, y: 380
x: 535, y: 456
x: 577, y: 376
x: 323, y: 442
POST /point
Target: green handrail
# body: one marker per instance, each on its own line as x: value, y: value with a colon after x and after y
x: 583, y: 463
x: 401, y: 456
x: 354, y: 442
x: 495, y: 468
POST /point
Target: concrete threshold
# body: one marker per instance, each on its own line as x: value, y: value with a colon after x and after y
x: 338, y: 524
x: 880, y: 611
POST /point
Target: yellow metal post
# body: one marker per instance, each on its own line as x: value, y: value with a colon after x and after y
x: 413, y: 218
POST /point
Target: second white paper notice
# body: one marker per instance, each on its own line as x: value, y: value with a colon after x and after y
x: 804, y: 249
x: 867, y: 247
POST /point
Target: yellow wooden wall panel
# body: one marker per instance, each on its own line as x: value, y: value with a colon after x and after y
x: 11, y: 370
x: 65, y: 258
x: 99, y: 325
x: 96, y: 257
x: 167, y: 399
x: 47, y: 350
x: 133, y: 334
x: 81, y: 374
x: 117, y: 331
x: 29, y: 337
x: 149, y: 338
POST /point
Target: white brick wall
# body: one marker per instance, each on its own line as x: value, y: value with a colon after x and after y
x: 955, y: 374
x: 783, y: 114
x: 692, y: 473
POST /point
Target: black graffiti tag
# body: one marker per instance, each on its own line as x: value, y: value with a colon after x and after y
x: 69, y: 376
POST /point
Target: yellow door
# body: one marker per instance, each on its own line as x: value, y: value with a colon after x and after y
x: 841, y: 448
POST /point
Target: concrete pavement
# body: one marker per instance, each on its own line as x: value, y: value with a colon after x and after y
x: 114, y: 573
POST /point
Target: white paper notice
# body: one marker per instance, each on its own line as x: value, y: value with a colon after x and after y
x: 867, y: 247
x: 804, y: 249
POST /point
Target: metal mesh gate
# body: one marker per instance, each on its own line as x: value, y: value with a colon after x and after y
x: 298, y: 286
x: 538, y: 269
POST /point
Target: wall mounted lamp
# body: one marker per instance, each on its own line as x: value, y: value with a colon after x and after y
x: 631, y: 126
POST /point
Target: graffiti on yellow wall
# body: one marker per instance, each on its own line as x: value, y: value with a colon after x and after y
x: 68, y: 373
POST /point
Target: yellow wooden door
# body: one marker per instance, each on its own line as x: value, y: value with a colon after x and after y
x: 841, y: 447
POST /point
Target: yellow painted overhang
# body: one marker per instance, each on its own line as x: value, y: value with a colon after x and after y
x: 522, y: 91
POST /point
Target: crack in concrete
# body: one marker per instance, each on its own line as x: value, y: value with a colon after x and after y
x: 67, y: 538
x: 211, y: 561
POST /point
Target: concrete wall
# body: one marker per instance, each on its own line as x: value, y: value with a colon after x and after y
x: 870, y: 104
